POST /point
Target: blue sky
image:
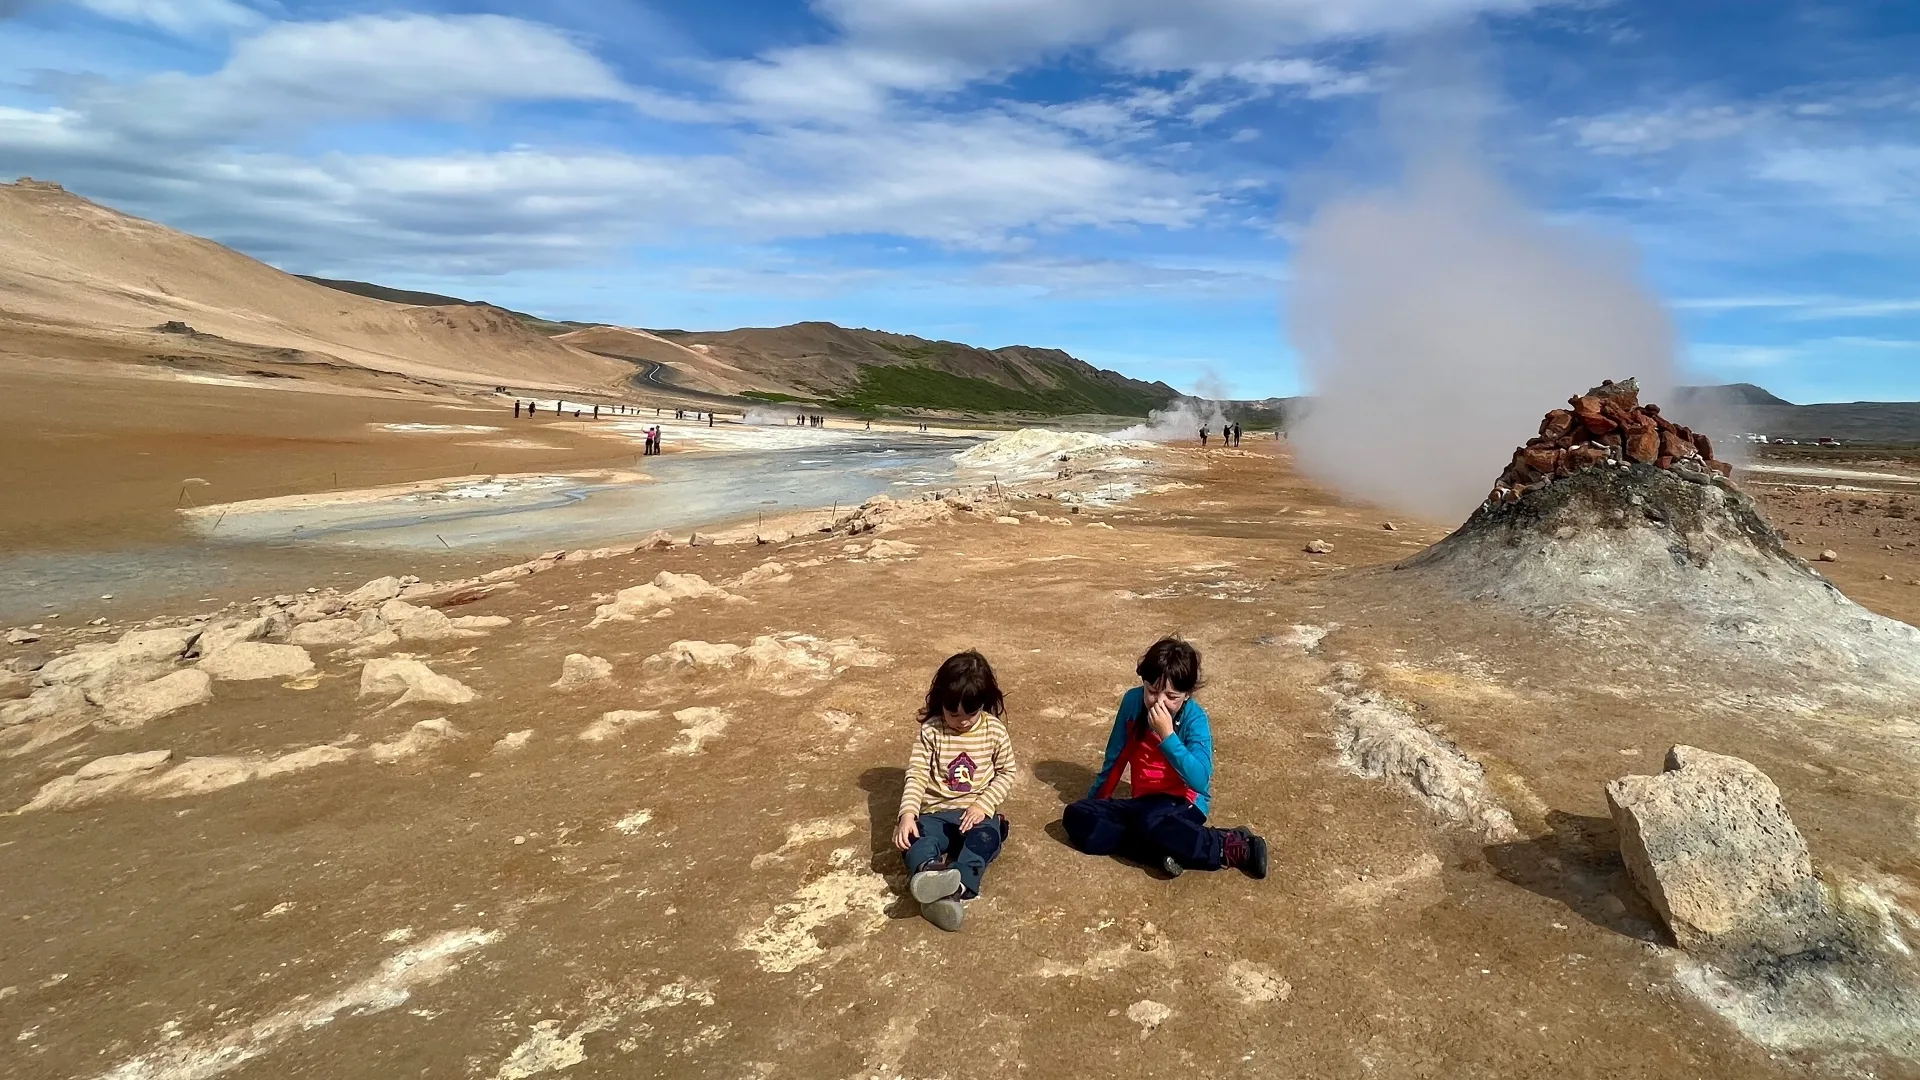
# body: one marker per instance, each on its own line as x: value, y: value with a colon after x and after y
x: 1118, y: 178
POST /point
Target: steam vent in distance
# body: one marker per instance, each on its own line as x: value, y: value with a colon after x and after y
x: 1618, y: 525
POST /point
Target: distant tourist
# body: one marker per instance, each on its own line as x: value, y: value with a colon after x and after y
x: 516, y: 408
x: 1203, y: 436
x: 960, y: 769
x: 1162, y: 735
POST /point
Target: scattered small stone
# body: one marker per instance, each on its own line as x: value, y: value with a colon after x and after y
x: 21, y: 637
x: 518, y: 840
x: 97, y: 622
x: 107, y: 596
x: 1319, y: 547
x: 1389, y: 526
x: 1829, y: 555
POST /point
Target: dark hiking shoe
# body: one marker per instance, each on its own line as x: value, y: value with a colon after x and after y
x: 947, y: 914
x: 1241, y: 847
x: 1172, y: 866
x: 930, y: 885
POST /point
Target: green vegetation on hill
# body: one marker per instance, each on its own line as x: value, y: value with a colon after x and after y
x: 911, y: 386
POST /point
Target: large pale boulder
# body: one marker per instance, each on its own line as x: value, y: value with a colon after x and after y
x: 1710, y: 845
x: 257, y: 660
x: 46, y: 703
x: 422, y: 736
x: 326, y: 633
x: 666, y: 587
x: 151, y: 701
x: 96, y: 780
x: 578, y: 671
x: 227, y: 632
x: 480, y: 622
x: 413, y: 681
x: 139, y: 656
x: 377, y: 591
x: 421, y: 623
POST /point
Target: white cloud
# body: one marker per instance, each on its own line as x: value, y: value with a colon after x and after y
x: 176, y: 16
x: 1142, y: 34
x: 1874, y: 177
x: 371, y: 66
x: 1315, y: 79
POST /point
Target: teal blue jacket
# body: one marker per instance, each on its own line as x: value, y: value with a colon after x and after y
x: 1189, y: 749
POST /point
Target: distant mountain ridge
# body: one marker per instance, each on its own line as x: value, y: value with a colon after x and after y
x: 822, y: 363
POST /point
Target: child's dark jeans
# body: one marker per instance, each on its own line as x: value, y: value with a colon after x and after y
x: 941, y: 844
x: 1147, y: 828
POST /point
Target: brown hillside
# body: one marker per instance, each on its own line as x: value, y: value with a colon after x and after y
x: 820, y: 359
x: 93, y: 270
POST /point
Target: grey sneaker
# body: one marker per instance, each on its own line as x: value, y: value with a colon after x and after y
x: 947, y: 913
x: 1172, y: 866
x: 930, y: 885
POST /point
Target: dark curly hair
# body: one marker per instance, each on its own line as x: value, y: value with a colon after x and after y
x: 1171, y: 659
x: 964, y: 683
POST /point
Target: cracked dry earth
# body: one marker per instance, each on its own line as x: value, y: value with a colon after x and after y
x: 681, y: 867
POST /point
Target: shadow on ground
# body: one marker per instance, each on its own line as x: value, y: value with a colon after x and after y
x: 1578, y: 864
x: 883, y: 786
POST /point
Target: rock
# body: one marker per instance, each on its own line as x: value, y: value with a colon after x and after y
x: 414, y: 681
x: 779, y: 659
x: 698, y: 726
x: 18, y: 636
x: 1319, y: 547
x: 46, y: 703
x: 139, y: 656
x: 765, y: 573
x: 326, y: 633
x: 257, y: 660
x: 1099, y: 525
x: 377, y: 591
x: 421, y: 623
x: 315, y: 608
x: 1389, y: 526
x: 629, y: 604
x: 611, y: 724
x: 201, y: 775
x: 1557, y: 425
x: 1005, y: 520
x: 578, y: 671
x: 1710, y: 845
x: 513, y: 741
x: 377, y: 642
x: 228, y: 632
x: 895, y: 549
x: 422, y: 736
x: 96, y: 780
x: 1829, y: 555
x: 480, y: 622
x: 151, y: 701
x: 657, y: 540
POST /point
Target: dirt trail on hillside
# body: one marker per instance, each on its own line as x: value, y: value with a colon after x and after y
x: 685, y: 871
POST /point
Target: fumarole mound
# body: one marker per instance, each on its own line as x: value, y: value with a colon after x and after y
x: 1617, y: 524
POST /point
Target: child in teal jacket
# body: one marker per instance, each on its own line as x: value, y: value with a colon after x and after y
x: 1161, y: 738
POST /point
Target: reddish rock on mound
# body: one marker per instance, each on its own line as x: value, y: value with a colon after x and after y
x: 1606, y: 425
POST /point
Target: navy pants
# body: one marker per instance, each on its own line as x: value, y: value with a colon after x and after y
x: 941, y: 845
x: 1148, y: 828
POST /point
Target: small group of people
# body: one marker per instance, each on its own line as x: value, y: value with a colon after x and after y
x: 1229, y: 434
x: 810, y: 420
x: 532, y: 408
x: 652, y: 441
x: 961, y: 769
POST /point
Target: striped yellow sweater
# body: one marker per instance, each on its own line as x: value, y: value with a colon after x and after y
x: 953, y: 772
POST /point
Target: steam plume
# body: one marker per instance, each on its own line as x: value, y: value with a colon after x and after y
x: 1438, y: 317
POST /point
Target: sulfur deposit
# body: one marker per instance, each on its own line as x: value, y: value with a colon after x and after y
x: 1605, y: 426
